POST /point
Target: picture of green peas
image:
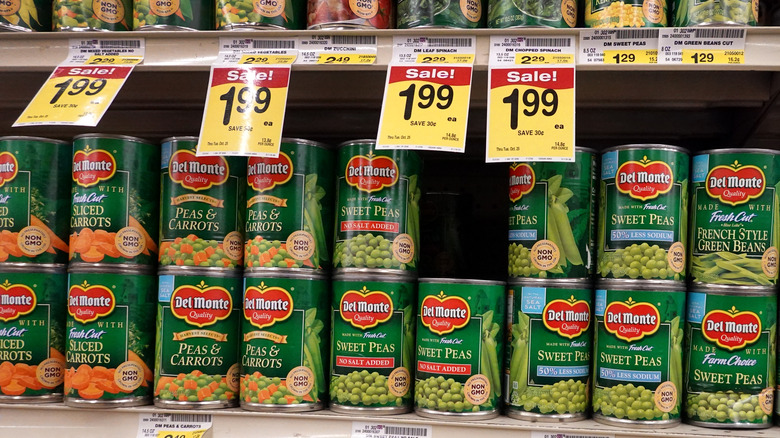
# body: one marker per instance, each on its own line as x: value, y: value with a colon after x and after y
x: 194, y: 251
x: 563, y: 397
x: 79, y: 15
x: 440, y: 394
x: 366, y: 250
x: 363, y: 388
x: 638, y: 261
x: 629, y: 402
x: 726, y: 407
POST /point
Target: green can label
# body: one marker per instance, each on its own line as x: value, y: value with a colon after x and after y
x: 201, y: 224
x: 551, y: 218
x: 21, y: 15
x: 548, y: 360
x: 378, y: 212
x: 185, y: 14
x: 715, y: 12
x: 110, y: 335
x: 93, y: 15
x: 638, y: 354
x: 115, y: 202
x: 372, y: 343
x: 197, y: 339
x: 34, y: 200
x: 460, y: 14
x: 631, y: 13
x: 289, y: 208
x: 730, y: 369
x: 460, y: 346
x: 643, y: 214
x: 560, y: 14
x: 282, y: 351
x: 32, y: 329
x: 736, y: 219
x: 284, y: 14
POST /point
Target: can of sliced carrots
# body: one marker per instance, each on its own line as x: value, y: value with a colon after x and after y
x: 114, y: 201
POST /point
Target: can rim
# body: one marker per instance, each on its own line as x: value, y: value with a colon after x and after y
x: 113, y: 137
x: 364, y: 141
x: 111, y: 269
x: 401, y: 277
x: 585, y: 149
x: 585, y: 283
x: 724, y: 151
x: 179, y: 138
x: 654, y: 146
x: 640, y: 285
x: 34, y: 269
x: 303, y: 141
x: 34, y: 138
x: 465, y: 281
x: 198, y: 271
x: 310, y: 274
x: 733, y: 290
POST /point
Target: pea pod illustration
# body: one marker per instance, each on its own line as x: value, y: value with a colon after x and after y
x: 489, y: 359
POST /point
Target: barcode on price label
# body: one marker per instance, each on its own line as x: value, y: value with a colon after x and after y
x: 191, y: 418
x: 159, y: 425
x: 566, y: 435
x: 379, y: 430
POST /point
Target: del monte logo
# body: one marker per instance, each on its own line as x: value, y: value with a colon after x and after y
x: 201, y: 305
x: 731, y: 329
x: 265, y: 306
x: 569, y: 318
x: 265, y: 173
x: 87, y: 303
x: 16, y: 300
x: 644, y: 179
x: 197, y: 173
x: 365, y: 309
x: 735, y: 184
x: 631, y: 321
x: 9, y: 167
x: 90, y: 167
x: 521, y: 180
x: 371, y: 173
x: 443, y: 314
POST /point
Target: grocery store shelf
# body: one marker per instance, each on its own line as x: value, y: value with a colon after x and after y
x: 39, y: 421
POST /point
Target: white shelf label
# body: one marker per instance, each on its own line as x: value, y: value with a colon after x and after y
x: 708, y: 46
x: 568, y: 435
x: 174, y: 425
x: 337, y: 49
x: 618, y: 46
x: 389, y: 430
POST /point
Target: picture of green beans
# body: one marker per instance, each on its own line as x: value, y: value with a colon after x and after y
x: 729, y: 268
x: 489, y: 359
x: 629, y: 402
x: 689, y: 13
x: 413, y: 207
x: 440, y: 394
x: 312, y: 220
x: 312, y: 353
x: 638, y: 261
x: 725, y: 407
x: 366, y: 250
x: 518, y: 364
x: 363, y: 388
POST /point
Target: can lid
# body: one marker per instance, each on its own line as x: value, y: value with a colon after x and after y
x: 729, y: 289
x: 179, y: 138
x: 662, y: 147
x: 112, y: 137
x: 641, y: 285
x: 462, y: 281
x: 303, y: 141
x: 575, y: 283
x: 739, y: 151
x: 366, y: 141
x: 297, y: 274
x: 30, y: 138
x: 84, y: 268
x: 385, y: 275
x: 32, y: 268
x: 198, y: 271
x: 585, y: 149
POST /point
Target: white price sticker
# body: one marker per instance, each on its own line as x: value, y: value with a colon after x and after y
x: 568, y: 435
x: 696, y: 46
x: 387, y: 430
x: 618, y: 46
x: 173, y: 425
x: 337, y: 49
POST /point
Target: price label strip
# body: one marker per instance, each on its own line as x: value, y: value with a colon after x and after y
x: 337, y: 49
x: 80, y: 90
x: 618, y: 46
x: 530, y: 103
x: 427, y: 94
x: 173, y: 425
x: 247, y: 98
x: 702, y: 46
x: 390, y: 430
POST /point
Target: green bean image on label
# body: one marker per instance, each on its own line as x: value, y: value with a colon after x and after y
x: 689, y: 13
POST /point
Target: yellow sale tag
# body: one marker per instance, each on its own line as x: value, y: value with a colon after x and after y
x: 115, y: 60
x: 713, y: 56
x: 181, y: 434
x: 630, y: 56
x: 267, y: 59
x: 446, y: 58
x: 425, y: 107
x: 543, y: 58
x: 531, y: 114
x: 244, y: 111
x: 346, y: 58
x: 75, y: 95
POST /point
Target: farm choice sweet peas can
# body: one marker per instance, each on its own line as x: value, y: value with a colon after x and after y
x: 32, y: 334
x: 93, y: 15
x: 378, y: 209
x: 372, y: 344
x: 198, y: 329
x: 261, y: 14
x: 173, y: 15
x: 730, y: 358
x: 643, y: 212
x: 201, y: 222
x: 532, y: 13
x: 110, y: 337
x: 350, y: 14
x: 637, y: 366
x: 630, y: 13
x: 459, y: 14
x: 289, y: 208
x: 736, y: 217
x: 284, y: 349
x: 34, y: 201
x: 460, y: 346
x: 549, y: 351
x: 551, y: 215
x: 114, y: 201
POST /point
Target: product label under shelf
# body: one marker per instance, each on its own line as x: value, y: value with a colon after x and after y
x: 158, y: 425
x: 390, y: 430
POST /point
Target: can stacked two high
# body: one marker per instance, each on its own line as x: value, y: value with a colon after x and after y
x: 550, y: 298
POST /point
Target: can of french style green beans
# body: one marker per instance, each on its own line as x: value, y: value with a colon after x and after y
x: 26, y: 16
x: 95, y: 15
x: 548, y: 356
x: 643, y: 212
x: 284, y: 341
x: 201, y: 223
x: 198, y: 329
x: 35, y: 201
x: 560, y: 14
x: 372, y: 344
x: 110, y: 337
x: 551, y: 215
x: 730, y: 358
x: 637, y: 365
x: 688, y: 13
x: 377, y: 209
x: 115, y: 199
x: 32, y: 334
x: 736, y: 217
x: 626, y: 14
x: 262, y: 14
x: 173, y: 15
x: 457, y: 14
x: 460, y: 348
x: 289, y: 208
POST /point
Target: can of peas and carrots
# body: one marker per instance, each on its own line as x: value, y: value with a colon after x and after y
x: 643, y: 212
x: 262, y: 15
x: 688, y: 13
x: 735, y: 217
x: 730, y: 358
x: 457, y: 14
x: 626, y: 13
x: 95, y: 15
x: 115, y: 202
x: 550, y: 344
x: 378, y: 209
x: 19, y: 16
x: 551, y: 215
x: 32, y: 334
x: 372, y: 344
x: 173, y: 15
x: 561, y: 14
x: 460, y: 348
x: 35, y: 201
x: 284, y: 346
x: 350, y: 14
x: 198, y: 330
x: 110, y: 336
x: 637, y: 369
x: 289, y: 208
x: 201, y: 223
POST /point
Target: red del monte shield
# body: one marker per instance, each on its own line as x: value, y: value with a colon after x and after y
x: 521, y: 181
x: 265, y: 306
x: 731, y: 330
x: 201, y: 305
x: 631, y: 321
x: 644, y: 179
x: 16, y: 300
x: 365, y: 309
x: 371, y: 174
x: 8, y: 167
x: 197, y: 173
x: 90, y: 168
x: 735, y: 184
x: 265, y: 173
x: 568, y: 318
x: 88, y: 303
x: 443, y: 315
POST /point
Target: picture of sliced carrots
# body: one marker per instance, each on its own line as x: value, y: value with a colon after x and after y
x: 10, y: 247
x: 92, y: 246
x: 94, y: 382
x: 18, y: 378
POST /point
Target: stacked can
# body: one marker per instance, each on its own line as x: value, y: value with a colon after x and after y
x: 198, y: 303
x: 732, y: 308
x: 375, y: 261
x: 111, y: 283
x: 286, y: 317
x: 640, y: 295
x: 551, y: 215
x: 34, y: 202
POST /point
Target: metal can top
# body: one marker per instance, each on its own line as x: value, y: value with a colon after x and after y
x: 32, y: 269
x: 180, y: 138
x: 739, y: 151
x: 577, y: 283
x: 114, y: 137
x: 585, y: 149
x: 304, y: 141
x: 308, y: 274
x: 197, y: 271
x: 732, y: 290
x: 394, y: 277
x: 112, y: 269
x: 661, y: 147
x: 651, y: 285
x: 31, y: 138
x: 371, y: 141
x: 462, y: 281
